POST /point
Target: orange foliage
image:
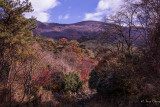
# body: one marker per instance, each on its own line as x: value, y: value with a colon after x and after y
x: 63, y: 41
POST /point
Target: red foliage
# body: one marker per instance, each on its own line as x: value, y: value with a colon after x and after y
x: 44, y: 78
x: 86, y: 65
x: 84, y: 75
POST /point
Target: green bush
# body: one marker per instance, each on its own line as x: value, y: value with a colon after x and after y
x: 72, y: 82
x: 109, y: 82
x: 128, y: 57
x: 114, y: 83
x: 61, y: 82
x: 94, y: 77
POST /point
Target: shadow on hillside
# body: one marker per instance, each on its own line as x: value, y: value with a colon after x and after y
x: 56, y: 101
x: 59, y: 101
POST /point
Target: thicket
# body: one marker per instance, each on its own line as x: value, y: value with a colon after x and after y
x: 131, y: 69
x: 114, y: 79
x: 59, y: 81
x: 126, y: 77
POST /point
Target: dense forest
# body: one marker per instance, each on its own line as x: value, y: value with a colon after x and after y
x: 118, y: 68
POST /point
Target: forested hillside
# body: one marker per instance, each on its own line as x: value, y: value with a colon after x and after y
x: 76, y: 31
x: 118, y: 66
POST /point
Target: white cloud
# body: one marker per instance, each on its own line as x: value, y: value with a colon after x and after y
x: 60, y: 17
x: 108, y: 4
x: 40, y: 9
x: 66, y: 16
x: 41, y: 16
x: 94, y: 16
x: 63, y: 17
x: 104, y: 7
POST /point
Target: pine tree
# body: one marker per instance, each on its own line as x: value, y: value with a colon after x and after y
x: 15, y: 31
x: 15, y: 38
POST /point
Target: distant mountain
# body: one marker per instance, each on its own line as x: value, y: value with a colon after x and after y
x: 78, y: 31
x: 81, y: 31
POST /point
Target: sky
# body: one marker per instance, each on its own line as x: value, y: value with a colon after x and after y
x: 72, y: 11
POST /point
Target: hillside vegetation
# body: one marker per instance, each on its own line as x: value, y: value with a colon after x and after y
x: 119, y: 68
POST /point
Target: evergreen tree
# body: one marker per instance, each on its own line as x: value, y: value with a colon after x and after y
x: 15, y: 38
x: 15, y: 31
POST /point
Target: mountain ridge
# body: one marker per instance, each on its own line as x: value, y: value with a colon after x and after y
x: 73, y: 31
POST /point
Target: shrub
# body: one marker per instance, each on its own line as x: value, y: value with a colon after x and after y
x: 72, y: 82
x: 94, y: 77
x: 45, y: 79
x: 113, y: 83
x: 58, y: 79
x: 128, y: 57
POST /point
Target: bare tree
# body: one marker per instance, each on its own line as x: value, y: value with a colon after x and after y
x: 123, y: 27
x: 149, y: 19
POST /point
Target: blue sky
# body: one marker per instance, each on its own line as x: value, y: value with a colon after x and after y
x: 72, y: 11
